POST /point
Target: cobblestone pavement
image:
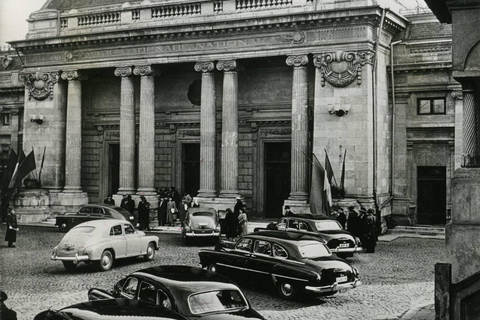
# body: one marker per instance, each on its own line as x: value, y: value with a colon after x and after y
x: 398, y: 276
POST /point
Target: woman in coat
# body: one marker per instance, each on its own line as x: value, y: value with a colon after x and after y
x: 144, y: 214
x: 242, y: 223
x: 231, y: 224
x: 171, y: 211
x: 12, y: 228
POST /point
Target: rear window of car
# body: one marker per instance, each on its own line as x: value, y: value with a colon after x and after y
x: 313, y: 250
x: 83, y: 229
x: 327, y: 225
x: 202, y: 214
x: 214, y: 301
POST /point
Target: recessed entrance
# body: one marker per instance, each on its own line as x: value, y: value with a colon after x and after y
x: 113, y: 168
x: 277, y: 177
x: 191, y: 168
x: 432, y: 195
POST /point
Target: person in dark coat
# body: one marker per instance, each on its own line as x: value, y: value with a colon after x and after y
x: 341, y: 217
x: 5, y: 312
x: 370, y: 233
x: 162, y: 211
x: 109, y: 200
x: 361, y: 225
x: 176, y: 196
x: 238, y: 205
x: 352, y: 222
x: 182, y: 211
x: 288, y: 212
x: 144, y: 214
x: 231, y: 223
x: 128, y: 203
x: 12, y: 228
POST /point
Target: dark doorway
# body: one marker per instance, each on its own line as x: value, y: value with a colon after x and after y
x: 113, y: 168
x: 191, y: 168
x: 432, y: 195
x: 277, y: 177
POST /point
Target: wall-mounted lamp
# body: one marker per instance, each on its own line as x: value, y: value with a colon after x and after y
x: 339, y: 111
x: 38, y: 119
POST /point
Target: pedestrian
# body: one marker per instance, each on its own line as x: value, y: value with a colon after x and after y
x: 352, y: 221
x: 341, y: 217
x: 128, y: 203
x: 238, y: 205
x: 288, y: 212
x: 176, y: 196
x: 182, y: 211
x: 12, y: 228
x: 171, y: 211
x: 370, y: 233
x: 194, y: 204
x: 231, y: 223
x: 109, y: 200
x: 242, y: 222
x: 162, y: 210
x: 5, y: 312
x: 361, y: 225
x: 144, y: 214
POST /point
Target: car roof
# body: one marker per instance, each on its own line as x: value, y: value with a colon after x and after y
x: 111, y: 206
x: 283, y: 236
x: 200, y: 209
x: 311, y: 216
x: 101, y: 223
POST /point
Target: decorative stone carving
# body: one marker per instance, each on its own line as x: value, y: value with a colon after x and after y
x: 275, y: 132
x: 295, y: 37
x: 457, y: 95
x: 40, y: 85
x: 72, y: 56
x: 194, y: 133
x: 297, y: 61
x: 6, y: 61
x: 204, y: 67
x: 229, y: 65
x: 123, y: 72
x: 73, y: 75
x: 354, y: 62
x: 145, y: 71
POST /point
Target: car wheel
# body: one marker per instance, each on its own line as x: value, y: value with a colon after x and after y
x: 212, y: 268
x: 69, y: 265
x: 288, y: 290
x: 63, y: 227
x: 106, y: 261
x: 150, y: 252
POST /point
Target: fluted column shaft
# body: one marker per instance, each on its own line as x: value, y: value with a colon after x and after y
x: 73, y: 149
x: 207, y: 131
x: 471, y: 127
x: 127, y: 131
x: 299, y: 167
x: 146, y: 144
x: 229, y: 165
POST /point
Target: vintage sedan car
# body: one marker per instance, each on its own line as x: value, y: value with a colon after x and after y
x: 190, y: 291
x: 103, y: 241
x: 89, y: 212
x: 293, y: 262
x: 339, y: 241
x: 112, y: 309
x: 201, y: 222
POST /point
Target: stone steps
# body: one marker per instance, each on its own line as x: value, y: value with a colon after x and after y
x: 421, y: 230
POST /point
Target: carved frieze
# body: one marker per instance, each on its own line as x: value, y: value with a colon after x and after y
x: 73, y: 75
x: 297, y: 61
x: 275, y: 131
x: 40, y: 85
x: 229, y: 65
x: 123, y: 72
x: 204, y: 66
x: 189, y: 133
x: 342, y: 68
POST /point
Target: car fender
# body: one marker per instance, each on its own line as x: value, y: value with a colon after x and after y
x: 297, y: 272
x: 95, y: 251
x: 99, y: 294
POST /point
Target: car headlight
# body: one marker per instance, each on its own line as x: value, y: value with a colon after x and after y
x: 132, y: 218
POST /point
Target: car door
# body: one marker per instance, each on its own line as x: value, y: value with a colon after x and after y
x: 134, y: 241
x: 235, y: 261
x: 84, y: 214
x: 282, y: 224
x: 118, y: 241
x: 261, y: 261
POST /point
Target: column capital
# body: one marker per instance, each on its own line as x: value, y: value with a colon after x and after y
x: 40, y: 84
x: 204, y: 67
x: 74, y: 75
x: 457, y: 95
x: 123, y: 72
x: 145, y: 70
x: 227, y: 65
x: 297, y: 61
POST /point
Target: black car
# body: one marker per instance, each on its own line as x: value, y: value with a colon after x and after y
x: 89, y: 212
x: 190, y: 291
x: 294, y: 263
x: 338, y: 240
x: 112, y: 309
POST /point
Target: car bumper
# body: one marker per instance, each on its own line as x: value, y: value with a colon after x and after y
x: 192, y: 234
x: 333, y: 287
x: 76, y: 258
x: 347, y: 250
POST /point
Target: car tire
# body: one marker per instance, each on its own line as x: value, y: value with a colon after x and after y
x: 212, y: 268
x: 106, y: 261
x: 288, y: 290
x: 150, y: 252
x: 69, y: 265
x: 63, y: 227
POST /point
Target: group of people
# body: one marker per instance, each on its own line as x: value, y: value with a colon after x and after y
x: 361, y: 223
x: 236, y: 221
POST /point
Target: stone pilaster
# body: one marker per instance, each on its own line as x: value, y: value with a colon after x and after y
x: 127, y: 131
x: 207, y: 131
x: 146, y: 143
x: 299, y: 170
x: 471, y: 125
x: 229, y: 165
x: 73, y: 158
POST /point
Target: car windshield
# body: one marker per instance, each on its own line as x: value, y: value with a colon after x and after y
x: 82, y: 229
x: 216, y: 301
x: 202, y: 214
x: 327, y: 225
x: 122, y: 211
x: 313, y: 250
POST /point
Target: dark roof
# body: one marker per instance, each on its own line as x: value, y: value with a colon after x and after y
x: 76, y: 4
x: 440, y: 10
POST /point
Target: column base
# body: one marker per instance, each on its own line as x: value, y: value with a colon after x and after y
x: 299, y: 196
x: 229, y: 194
x: 67, y: 201
x: 146, y: 192
x: 72, y: 189
x: 207, y: 194
x: 32, y: 205
x: 126, y: 190
x: 297, y: 206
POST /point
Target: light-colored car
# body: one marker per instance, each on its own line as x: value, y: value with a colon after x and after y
x: 102, y: 242
x: 201, y: 222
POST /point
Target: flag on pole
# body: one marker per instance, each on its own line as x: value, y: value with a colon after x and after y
x: 329, y: 170
x: 9, y: 169
x: 27, y: 166
x: 20, y: 158
x: 318, y: 197
x: 41, y: 166
x: 342, y: 179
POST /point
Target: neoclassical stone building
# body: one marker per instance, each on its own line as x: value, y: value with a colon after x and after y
x: 229, y: 98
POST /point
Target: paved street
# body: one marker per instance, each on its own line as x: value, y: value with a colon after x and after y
x: 398, y: 276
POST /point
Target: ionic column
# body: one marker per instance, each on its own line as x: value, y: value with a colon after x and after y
x: 73, y: 150
x: 229, y: 165
x: 146, y: 144
x: 207, y: 130
x: 471, y: 125
x: 299, y: 169
x: 127, y: 131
